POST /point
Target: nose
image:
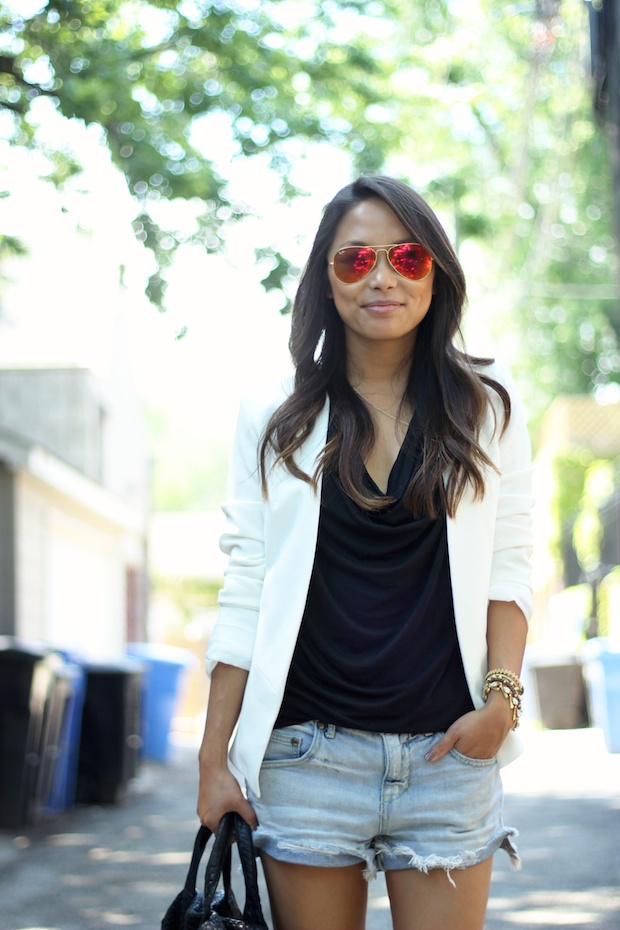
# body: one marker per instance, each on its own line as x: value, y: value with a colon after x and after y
x: 383, y: 275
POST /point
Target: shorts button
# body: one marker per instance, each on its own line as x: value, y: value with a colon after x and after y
x: 295, y: 741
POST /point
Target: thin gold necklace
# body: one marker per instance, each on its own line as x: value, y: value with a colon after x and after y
x: 379, y: 410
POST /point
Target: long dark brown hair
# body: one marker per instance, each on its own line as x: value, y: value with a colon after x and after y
x: 446, y: 388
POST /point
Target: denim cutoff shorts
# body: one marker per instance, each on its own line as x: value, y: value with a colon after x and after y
x: 332, y: 796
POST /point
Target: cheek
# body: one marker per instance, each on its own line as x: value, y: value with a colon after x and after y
x: 427, y: 293
x: 346, y: 298
x: 340, y: 294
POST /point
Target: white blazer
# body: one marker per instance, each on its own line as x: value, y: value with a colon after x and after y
x: 271, y: 546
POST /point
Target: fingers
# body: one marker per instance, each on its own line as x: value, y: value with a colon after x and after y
x: 471, y: 735
x: 211, y: 810
x: 246, y: 811
x: 441, y: 747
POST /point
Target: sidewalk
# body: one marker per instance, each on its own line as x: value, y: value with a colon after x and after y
x: 102, y: 868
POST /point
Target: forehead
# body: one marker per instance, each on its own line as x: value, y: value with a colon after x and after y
x: 370, y: 222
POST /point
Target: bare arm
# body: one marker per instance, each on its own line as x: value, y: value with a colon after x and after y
x: 506, y: 635
x: 480, y: 733
x: 218, y: 789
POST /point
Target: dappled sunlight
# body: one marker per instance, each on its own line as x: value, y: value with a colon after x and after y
x: 104, y: 854
x: 155, y: 888
x: 112, y: 918
x: 80, y: 881
x: 72, y: 839
x: 555, y: 908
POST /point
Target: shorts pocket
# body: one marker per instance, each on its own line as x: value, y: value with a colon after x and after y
x: 290, y: 745
x: 468, y: 760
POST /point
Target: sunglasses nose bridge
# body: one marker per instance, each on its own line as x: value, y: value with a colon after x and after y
x: 378, y: 265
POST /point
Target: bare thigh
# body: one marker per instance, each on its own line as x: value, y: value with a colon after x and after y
x: 429, y: 902
x: 305, y: 897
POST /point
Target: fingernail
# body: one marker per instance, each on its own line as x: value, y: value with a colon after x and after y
x: 430, y: 756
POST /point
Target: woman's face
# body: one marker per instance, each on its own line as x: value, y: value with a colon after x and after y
x: 383, y: 306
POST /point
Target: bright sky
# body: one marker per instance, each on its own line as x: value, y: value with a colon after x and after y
x: 61, y: 304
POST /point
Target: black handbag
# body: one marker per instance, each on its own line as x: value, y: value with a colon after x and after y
x: 217, y: 909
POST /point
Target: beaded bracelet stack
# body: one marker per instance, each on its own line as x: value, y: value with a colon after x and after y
x: 509, y: 686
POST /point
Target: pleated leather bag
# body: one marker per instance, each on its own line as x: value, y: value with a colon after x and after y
x: 216, y: 908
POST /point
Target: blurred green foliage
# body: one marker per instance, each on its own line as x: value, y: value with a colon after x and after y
x: 188, y: 595
x: 484, y: 107
x: 146, y: 71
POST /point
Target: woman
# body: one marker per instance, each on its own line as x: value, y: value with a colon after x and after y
x: 378, y: 538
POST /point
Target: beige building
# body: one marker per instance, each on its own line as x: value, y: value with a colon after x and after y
x: 73, y: 510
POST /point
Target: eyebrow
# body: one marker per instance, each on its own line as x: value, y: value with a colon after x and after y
x: 354, y: 242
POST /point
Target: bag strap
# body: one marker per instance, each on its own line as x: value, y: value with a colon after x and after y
x: 219, y: 852
x: 232, y: 823
x: 202, y: 838
x: 252, y: 911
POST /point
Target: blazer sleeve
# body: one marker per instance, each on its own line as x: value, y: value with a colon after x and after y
x: 512, y: 544
x: 232, y: 640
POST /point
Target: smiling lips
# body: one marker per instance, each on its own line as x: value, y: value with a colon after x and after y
x: 379, y: 306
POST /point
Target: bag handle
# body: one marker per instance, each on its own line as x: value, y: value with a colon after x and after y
x: 229, y: 824
x: 202, y: 838
x: 252, y: 911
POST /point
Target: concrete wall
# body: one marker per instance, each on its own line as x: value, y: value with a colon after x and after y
x: 74, y: 488
x: 59, y: 409
x: 7, y: 551
x: 72, y: 564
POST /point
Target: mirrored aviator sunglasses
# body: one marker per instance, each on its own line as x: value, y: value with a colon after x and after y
x: 409, y: 259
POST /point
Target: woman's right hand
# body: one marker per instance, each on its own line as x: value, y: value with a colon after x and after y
x: 218, y: 789
x: 220, y: 792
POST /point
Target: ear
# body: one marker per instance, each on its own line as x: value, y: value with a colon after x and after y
x: 328, y: 284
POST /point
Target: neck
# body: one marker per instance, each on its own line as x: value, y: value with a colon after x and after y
x: 383, y: 368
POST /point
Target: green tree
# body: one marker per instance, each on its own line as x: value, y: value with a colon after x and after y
x: 497, y: 124
x: 148, y: 71
x: 485, y: 107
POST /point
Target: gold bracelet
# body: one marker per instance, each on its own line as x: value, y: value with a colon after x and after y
x: 514, y: 700
x: 500, y: 674
x: 509, y: 686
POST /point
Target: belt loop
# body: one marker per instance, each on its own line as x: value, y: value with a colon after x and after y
x: 330, y: 731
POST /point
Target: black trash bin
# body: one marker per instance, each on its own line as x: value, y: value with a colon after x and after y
x: 110, y: 733
x: 27, y: 749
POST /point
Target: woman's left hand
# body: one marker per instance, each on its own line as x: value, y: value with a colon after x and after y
x: 478, y: 734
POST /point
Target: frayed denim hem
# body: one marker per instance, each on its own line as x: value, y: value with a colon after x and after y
x: 382, y: 857
x: 409, y: 859
x: 323, y: 855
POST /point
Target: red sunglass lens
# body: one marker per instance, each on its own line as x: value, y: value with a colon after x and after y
x: 411, y: 260
x: 353, y: 264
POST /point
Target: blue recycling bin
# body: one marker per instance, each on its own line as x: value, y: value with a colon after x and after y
x: 69, y: 691
x: 163, y: 668
x: 601, y: 668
